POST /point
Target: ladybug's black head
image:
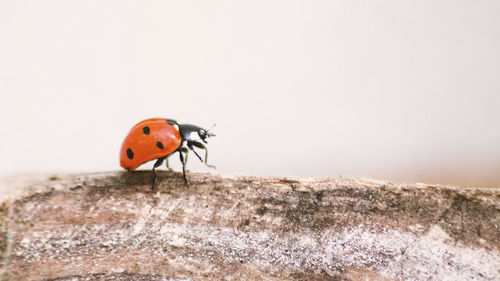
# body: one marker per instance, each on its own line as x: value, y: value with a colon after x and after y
x: 187, y: 131
x: 205, y: 134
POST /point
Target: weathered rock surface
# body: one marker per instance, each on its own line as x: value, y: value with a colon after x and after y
x: 111, y: 226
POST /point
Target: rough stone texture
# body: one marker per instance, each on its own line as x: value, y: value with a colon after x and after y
x: 111, y: 226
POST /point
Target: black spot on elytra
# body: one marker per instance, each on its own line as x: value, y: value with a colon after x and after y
x: 159, y: 144
x: 130, y: 154
x: 146, y: 130
x: 171, y: 122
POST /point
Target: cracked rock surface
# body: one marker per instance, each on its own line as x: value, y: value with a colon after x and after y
x: 112, y: 226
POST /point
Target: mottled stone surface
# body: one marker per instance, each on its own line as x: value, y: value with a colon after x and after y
x: 112, y: 226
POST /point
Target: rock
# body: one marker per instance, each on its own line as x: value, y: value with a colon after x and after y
x: 112, y: 226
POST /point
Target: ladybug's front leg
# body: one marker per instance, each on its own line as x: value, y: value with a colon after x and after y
x: 190, y: 144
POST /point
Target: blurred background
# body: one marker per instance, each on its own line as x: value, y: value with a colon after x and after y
x: 396, y: 90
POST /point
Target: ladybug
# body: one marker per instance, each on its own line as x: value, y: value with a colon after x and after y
x: 158, y: 138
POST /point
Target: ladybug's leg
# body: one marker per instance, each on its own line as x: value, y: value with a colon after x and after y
x: 184, y: 150
x: 166, y: 157
x: 166, y: 160
x: 157, y: 164
x: 183, y: 161
x: 190, y: 144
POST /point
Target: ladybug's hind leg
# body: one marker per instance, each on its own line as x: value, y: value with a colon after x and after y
x: 157, y: 164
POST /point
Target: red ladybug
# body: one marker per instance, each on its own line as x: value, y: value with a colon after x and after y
x: 158, y: 138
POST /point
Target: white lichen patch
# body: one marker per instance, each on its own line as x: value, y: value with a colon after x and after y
x: 393, y: 253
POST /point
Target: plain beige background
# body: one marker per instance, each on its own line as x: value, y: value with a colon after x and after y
x: 399, y: 90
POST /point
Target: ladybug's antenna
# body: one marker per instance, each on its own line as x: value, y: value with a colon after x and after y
x: 210, y: 134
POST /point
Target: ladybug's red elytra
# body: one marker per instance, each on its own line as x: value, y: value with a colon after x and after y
x: 158, y: 138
